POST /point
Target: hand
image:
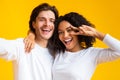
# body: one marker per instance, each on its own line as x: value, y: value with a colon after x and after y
x: 29, y: 42
x: 84, y: 30
x: 87, y: 31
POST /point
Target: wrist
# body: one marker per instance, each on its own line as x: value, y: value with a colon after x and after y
x: 100, y: 35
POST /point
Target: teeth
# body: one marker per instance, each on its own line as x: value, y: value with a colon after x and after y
x: 47, y: 30
x: 68, y: 40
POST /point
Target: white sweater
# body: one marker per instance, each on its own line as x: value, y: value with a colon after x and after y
x: 81, y: 65
x: 33, y: 66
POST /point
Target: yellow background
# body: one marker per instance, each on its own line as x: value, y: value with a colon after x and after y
x: 105, y: 14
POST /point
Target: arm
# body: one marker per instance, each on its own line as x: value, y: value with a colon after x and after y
x: 29, y: 41
x: 7, y: 49
x: 113, y: 43
x: 102, y: 54
x: 108, y: 54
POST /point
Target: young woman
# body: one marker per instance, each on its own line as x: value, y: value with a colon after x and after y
x: 76, y: 58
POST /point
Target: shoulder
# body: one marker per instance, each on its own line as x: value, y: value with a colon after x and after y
x: 15, y: 42
x: 19, y: 42
x: 20, y: 39
x: 11, y: 40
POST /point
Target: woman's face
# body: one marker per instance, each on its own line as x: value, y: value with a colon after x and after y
x: 70, y: 41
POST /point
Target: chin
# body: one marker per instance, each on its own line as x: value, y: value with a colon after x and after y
x: 68, y: 49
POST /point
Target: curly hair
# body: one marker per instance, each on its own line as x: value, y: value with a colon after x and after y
x: 76, y: 20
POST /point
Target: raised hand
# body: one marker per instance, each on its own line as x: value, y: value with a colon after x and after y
x: 87, y: 31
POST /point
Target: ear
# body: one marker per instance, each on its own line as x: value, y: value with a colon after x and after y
x: 33, y: 24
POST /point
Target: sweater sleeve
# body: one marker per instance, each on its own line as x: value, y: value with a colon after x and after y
x: 113, y: 43
x: 8, y: 49
x: 111, y: 53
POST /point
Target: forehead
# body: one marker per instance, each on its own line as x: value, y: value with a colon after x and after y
x: 47, y: 14
x: 64, y: 25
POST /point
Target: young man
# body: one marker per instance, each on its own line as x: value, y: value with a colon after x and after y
x: 37, y: 64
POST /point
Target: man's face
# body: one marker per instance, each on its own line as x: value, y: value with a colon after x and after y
x: 44, y: 25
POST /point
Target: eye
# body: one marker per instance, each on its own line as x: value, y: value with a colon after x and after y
x: 60, y: 32
x: 69, y: 30
x: 41, y: 19
x: 52, y: 20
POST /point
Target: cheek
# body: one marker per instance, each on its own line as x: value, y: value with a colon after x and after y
x: 60, y: 37
x: 53, y: 27
x: 40, y: 23
x: 76, y: 40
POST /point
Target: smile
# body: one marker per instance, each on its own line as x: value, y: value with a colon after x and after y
x: 46, y: 31
x: 68, y: 41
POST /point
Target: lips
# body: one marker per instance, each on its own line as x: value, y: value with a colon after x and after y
x: 68, y: 41
x: 46, y: 31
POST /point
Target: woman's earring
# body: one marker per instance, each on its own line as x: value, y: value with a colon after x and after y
x: 82, y: 44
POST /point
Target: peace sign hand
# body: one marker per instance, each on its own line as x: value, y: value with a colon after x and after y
x: 87, y: 31
x: 84, y: 30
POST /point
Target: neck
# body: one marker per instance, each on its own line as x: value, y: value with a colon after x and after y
x: 75, y: 49
x: 42, y: 42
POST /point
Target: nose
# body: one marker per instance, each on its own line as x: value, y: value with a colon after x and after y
x: 66, y: 34
x: 47, y: 23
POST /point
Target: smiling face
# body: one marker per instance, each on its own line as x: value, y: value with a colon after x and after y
x: 44, y: 25
x: 70, y: 41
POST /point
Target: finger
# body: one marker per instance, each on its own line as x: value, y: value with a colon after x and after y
x: 25, y: 39
x: 28, y: 48
x: 32, y: 46
x: 82, y: 30
x: 75, y: 29
x: 26, y: 43
x: 87, y: 27
x: 74, y: 33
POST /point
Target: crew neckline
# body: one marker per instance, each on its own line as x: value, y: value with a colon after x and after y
x: 72, y: 53
x: 41, y: 46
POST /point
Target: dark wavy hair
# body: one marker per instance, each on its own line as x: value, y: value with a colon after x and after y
x: 76, y: 20
x: 35, y: 13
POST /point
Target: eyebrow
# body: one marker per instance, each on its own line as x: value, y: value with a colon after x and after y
x: 69, y: 27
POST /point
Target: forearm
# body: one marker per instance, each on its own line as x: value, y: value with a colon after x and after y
x: 7, y: 49
x: 100, y: 35
x: 2, y: 46
x: 3, y: 51
x: 111, y: 53
x: 113, y: 43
